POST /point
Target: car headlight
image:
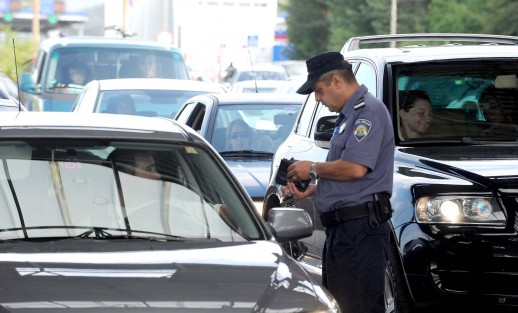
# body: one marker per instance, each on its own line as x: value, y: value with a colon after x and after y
x: 459, y: 210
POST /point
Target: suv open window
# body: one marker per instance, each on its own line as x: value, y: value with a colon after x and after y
x: 455, y: 88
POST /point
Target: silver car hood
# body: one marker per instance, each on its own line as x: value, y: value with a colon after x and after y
x: 87, y: 276
x: 253, y: 174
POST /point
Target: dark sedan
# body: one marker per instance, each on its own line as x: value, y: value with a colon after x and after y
x: 112, y: 213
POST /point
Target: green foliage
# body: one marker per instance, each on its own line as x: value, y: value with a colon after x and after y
x: 24, y: 50
x: 308, y: 27
x: 344, y: 19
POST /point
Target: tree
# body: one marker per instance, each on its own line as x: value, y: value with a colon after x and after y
x: 24, y: 50
x: 308, y: 27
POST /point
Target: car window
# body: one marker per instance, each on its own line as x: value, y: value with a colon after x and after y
x: 64, y: 190
x: 455, y: 90
x: 302, y: 128
x: 152, y: 102
x: 106, y: 63
x: 366, y: 74
x: 266, y: 126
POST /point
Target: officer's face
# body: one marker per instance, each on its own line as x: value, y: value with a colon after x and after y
x: 329, y: 93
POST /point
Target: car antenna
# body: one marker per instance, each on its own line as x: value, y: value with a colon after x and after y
x: 253, y: 72
x: 17, y: 80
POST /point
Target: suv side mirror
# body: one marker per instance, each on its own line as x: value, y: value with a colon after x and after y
x: 27, y: 84
x: 324, y: 131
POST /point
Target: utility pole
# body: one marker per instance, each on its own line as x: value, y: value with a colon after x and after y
x: 36, y: 22
x: 125, y: 16
x: 393, y: 21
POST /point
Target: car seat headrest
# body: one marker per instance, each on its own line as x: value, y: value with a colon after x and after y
x: 506, y: 81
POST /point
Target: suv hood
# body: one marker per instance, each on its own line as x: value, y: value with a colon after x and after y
x: 193, y: 277
x: 470, y: 162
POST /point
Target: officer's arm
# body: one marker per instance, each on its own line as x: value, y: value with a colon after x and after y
x: 340, y: 170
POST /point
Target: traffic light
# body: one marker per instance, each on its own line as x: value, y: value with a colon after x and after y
x: 53, y: 19
x: 8, y: 17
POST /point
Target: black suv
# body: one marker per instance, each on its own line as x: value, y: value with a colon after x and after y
x: 455, y: 196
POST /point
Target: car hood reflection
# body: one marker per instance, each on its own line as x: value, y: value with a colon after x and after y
x: 237, y: 277
x: 253, y: 174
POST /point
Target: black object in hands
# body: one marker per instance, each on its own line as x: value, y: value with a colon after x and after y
x: 282, y: 175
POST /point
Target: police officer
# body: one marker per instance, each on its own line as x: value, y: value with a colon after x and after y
x: 354, y: 185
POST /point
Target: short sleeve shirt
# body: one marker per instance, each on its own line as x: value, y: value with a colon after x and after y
x: 364, y: 135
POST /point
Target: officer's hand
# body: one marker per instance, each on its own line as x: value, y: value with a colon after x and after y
x: 297, y: 194
x: 299, y: 171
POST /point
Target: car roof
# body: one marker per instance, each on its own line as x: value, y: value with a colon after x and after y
x: 488, y: 46
x: 265, y: 98
x: 261, y: 67
x: 31, y: 124
x: 94, y: 41
x: 157, y: 83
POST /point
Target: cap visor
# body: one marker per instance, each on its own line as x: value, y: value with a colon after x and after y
x: 306, y: 89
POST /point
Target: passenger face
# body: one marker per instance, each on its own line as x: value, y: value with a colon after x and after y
x: 492, y: 110
x: 240, y: 138
x: 148, y: 66
x: 125, y: 108
x: 418, y: 118
x: 145, y: 166
x: 77, y: 76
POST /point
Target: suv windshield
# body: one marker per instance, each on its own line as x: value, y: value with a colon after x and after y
x: 465, y: 97
x: 66, y: 64
x: 65, y: 189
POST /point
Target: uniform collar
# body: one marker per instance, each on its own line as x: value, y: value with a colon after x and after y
x: 349, y: 106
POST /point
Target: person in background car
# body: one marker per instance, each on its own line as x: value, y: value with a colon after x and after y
x: 77, y: 74
x: 240, y: 136
x: 354, y: 182
x: 415, y: 113
x: 122, y: 104
x: 494, y: 114
x: 148, y: 67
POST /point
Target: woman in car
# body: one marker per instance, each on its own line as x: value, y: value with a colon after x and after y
x: 415, y: 113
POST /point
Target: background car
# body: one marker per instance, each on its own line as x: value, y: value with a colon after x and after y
x: 261, y: 86
x: 296, y: 69
x: 47, y: 86
x: 149, y: 96
x: 454, y: 231
x: 262, y: 71
x: 85, y: 227
x: 270, y: 116
x: 8, y: 85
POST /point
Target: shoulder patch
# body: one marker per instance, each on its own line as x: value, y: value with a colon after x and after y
x: 361, y: 128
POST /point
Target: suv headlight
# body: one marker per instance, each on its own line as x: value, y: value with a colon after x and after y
x: 459, y: 210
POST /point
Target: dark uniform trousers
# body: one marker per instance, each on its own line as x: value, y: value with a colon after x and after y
x: 354, y: 264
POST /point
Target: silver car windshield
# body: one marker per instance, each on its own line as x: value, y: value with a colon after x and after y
x: 114, y: 190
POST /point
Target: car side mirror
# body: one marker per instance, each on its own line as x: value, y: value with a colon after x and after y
x: 27, y: 84
x: 324, y: 131
x: 290, y: 224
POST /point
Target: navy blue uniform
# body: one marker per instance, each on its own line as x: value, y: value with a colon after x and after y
x: 354, y: 255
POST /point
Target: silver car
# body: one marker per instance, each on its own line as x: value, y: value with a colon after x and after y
x: 141, y: 96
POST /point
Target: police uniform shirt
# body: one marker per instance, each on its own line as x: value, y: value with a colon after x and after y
x: 363, y: 135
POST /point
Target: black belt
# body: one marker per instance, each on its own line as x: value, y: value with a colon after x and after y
x: 340, y: 215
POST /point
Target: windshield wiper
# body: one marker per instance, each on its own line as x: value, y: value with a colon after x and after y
x: 101, y: 233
